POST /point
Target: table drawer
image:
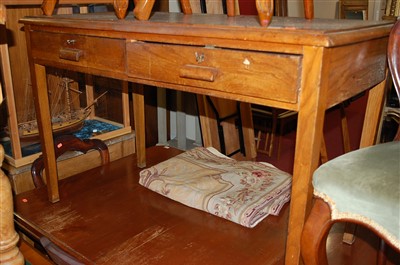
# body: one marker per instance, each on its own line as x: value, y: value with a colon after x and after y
x: 255, y: 74
x: 85, y: 51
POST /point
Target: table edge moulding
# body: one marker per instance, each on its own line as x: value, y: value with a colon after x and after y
x: 308, y: 66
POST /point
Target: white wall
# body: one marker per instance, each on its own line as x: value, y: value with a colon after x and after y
x: 190, y: 126
x: 322, y: 8
x: 330, y: 8
x: 174, y: 6
x: 376, y: 9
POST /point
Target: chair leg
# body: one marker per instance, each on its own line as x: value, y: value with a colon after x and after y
x: 323, y: 152
x: 282, y: 125
x: 258, y: 139
x: 349, y: 233
x: 266, y: 145
x: 273, y: 133
x: 350, y: 229
x: 345, y: 129
x: 266, y: 140
x: 315, y: 233
x: 381, y: 253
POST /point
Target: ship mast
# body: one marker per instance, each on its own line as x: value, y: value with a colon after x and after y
x: 67, y: 81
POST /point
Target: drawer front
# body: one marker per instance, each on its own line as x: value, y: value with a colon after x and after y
x: 256, y: 74
x: 79, y: 50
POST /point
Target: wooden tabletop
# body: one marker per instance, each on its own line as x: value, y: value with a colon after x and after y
x: 105, y: 217
x: 283, y: 30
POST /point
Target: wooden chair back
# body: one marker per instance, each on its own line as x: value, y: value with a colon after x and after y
x: 143, y: 8
x: 66, y: 143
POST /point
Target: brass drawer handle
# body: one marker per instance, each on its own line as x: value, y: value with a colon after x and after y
x: 203, y: 73
x: 70, y: 54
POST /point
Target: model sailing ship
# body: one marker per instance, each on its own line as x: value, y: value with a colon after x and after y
x: 67, y: 120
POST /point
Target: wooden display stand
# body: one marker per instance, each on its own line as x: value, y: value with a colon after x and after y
x: 71, y: 164
x: 15, y: 75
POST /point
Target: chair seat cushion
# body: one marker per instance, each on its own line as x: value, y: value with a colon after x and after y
x: 364, y: 185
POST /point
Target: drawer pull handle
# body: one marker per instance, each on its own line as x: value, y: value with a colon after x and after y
x: 70, y: 54
x: 202, y: 73
x: 69, y: 42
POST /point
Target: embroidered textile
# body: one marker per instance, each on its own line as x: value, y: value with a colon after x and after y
x: 244, y: 192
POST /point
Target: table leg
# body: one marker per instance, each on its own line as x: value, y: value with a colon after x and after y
x: 186, y: 7
x: 265, y: 10
x: 125, y: 104
x: 143, y: 9
x: 308, y: 145
x: 3, y: 13
x: 48, y: 6
x: 373, y: 114
x: 207, y: 131
x: 40, y: 93
x: 120, y: 8
x: 140, y: 126
x: 230, y: 8
x: 248, y: 131
x: 308, y: 9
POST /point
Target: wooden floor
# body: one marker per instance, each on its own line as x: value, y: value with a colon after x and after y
x: 362, y: 252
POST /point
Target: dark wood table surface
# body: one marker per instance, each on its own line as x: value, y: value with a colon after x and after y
x: 106, y: 217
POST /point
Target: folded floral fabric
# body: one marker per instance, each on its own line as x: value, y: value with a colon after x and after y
x: 244, y: 192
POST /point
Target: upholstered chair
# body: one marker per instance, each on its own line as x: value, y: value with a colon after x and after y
x: 361, y: 187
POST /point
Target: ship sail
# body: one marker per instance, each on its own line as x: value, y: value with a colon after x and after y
x: 66, y: 118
